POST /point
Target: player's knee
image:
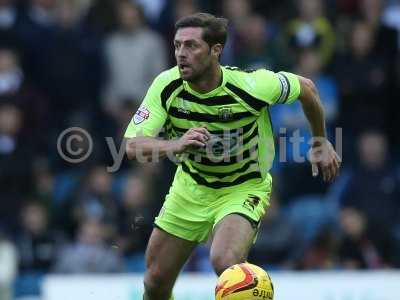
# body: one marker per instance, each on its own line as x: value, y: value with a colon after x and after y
x: 223, y: 260
x: 156, y: 282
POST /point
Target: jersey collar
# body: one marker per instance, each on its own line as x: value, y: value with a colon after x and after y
x: 215, y: 91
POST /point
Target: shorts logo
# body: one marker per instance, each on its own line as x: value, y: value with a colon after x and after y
x: 141, y: 115
x: 251, y: 202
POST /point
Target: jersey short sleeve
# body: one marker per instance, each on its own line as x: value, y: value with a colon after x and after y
x: 151, y: 115
x: 277, y: 88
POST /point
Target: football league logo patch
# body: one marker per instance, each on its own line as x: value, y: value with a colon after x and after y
x: 141, y: 115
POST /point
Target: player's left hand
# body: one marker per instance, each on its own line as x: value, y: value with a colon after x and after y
x: 324, y: 159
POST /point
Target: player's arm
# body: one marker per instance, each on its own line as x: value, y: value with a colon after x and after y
x: 147, y: 147
x: 140, y: 136
x: 285, y: 88
x: 323, y: 156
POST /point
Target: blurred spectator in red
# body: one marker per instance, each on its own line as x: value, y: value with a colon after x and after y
x: 321, y: 253
x: 89, y: 253
x: 37, y: 241
x: 311, y: 29
x: 8, y: 270
x: 126, y: 51
x: 356, y: 250
x: 347, y: 7
x: 373, y: 189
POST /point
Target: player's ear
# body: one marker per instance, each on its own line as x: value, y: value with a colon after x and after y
x: 216, y: 50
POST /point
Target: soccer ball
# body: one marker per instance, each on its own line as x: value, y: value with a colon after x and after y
x: 244, y: 282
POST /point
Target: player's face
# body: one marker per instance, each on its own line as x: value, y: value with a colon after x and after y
x: 193, y: 55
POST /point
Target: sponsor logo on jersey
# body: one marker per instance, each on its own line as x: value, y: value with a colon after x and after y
x: 141, y: 115
x: 223, y: 145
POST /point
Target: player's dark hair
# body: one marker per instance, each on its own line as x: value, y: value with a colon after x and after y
x: 214, y: 29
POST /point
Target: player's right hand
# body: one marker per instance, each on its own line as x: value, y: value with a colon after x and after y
x: 193, y: 138
x: 324, y: 158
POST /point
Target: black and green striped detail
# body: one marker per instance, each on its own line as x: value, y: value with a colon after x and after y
x: 230, y: 114
x: 220, y: 175
x: 169, y: 90
x: 253, y: 102
x: 244, y: 129
x: 204, y: 117
x: 210, y: 101
x: 220, y: 184
x: 231, y: 160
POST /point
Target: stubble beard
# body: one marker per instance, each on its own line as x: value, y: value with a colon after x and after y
x: 199, y: 75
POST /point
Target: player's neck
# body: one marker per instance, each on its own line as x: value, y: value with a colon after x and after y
x: 209, y: 81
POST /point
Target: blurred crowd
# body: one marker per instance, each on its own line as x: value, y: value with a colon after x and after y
x: 88, y: 64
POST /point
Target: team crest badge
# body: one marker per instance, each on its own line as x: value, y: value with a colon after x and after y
x: 225, y: 113
x: 141, y: 115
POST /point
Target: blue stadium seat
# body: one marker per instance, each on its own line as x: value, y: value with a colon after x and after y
x: 310, y: 213
x: 64, y: 185
x: 28, y: 284
x: 118, y: 184
x: 338, y: 187
x: 203, y: 263
x: 135, y: 263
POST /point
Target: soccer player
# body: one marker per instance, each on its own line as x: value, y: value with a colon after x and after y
x: 218, y: 124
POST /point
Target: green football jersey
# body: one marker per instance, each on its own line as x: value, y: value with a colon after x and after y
x: 236, y: 113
